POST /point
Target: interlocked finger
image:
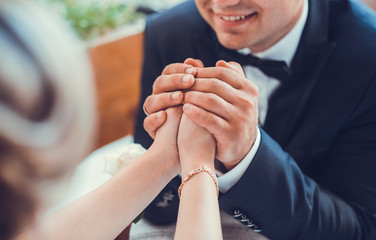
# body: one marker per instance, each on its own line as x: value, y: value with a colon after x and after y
x: 168, y: 83
x: 155, y: 103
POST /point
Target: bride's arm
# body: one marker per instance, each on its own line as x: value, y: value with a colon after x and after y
x: 103, y: 213
x: 198, y: 210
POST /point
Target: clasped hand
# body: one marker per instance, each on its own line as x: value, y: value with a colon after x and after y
x: 219, y: 112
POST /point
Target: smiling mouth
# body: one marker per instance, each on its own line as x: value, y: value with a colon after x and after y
x: 236, y: 18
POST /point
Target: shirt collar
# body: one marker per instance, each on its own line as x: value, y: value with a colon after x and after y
x: 284, y: 49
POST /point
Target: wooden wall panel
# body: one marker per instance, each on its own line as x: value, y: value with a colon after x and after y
x: 117, y: 68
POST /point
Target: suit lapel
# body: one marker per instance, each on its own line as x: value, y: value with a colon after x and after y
x: 287, y: 104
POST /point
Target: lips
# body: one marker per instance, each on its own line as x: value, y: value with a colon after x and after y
x: 236, y: 18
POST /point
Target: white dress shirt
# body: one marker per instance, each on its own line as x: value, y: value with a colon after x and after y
x: 283, y: 50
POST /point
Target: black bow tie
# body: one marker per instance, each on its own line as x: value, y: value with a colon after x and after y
x: 272, y: 68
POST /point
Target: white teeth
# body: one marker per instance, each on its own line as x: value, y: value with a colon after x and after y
x: 233, y: 18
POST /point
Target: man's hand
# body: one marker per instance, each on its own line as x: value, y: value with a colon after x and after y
x: 224, y: 102
x: 221, y: 100
x: 167, y: 92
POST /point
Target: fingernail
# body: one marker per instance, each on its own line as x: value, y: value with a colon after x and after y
x: 175, y: 96
x: 190, y: 70
x: 159, y: 115
x: 186, y: 78
x: 187, y: 106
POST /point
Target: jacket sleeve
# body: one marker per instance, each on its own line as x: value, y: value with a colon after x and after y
x: 338, y: 201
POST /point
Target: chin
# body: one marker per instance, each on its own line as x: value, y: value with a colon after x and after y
x: 231, y: 44
x: 233, y: 41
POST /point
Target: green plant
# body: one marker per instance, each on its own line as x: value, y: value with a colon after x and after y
x: 94, y: 18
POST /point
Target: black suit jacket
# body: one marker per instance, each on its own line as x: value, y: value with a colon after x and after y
x: 314, y: 175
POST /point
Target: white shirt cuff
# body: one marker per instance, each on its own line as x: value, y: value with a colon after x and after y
x: 229, y: 179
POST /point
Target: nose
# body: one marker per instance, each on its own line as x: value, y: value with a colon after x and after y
x: 226, y: 3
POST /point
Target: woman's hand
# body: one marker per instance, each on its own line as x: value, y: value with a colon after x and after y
x: 198, y: 216
x: 165, y: 142
x: 196, y: 145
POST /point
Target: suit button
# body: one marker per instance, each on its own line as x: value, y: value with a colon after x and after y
x: 244, y: 219
x: 237, y: 214
x: 250, y: 224
x: 167, y: 198
x: 256, y: 229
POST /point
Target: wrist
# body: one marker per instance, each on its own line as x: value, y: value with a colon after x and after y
x: 196, y: 158
x: 194, y: 164
x: 229, y: 165
x: 202, y: 169
x: 168, y: 161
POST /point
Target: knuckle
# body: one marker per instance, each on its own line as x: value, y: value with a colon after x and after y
x: 157, y: 84
x: 236, y: 65
x: 193, y: 112
x: 175, y: 80
x: 221, y: 72
x: 214, y: 84
x: 255, y: 90
x: 251, y: 104
x: 211, y: 99
x: 174, y: 68
x: 228, y: 133
x: 247, y: 101
x: 149, y: 104
x: 168, y: 68
x: 147, y: 101
x: 230, y: 110
x: 189, y: 96
x: 151, y: 101
x: 251, y: 88
x: 240, y: 83
x: 154, y: 122
x: 188, y: 60
x: 212, y: 119
x: 147, y: 126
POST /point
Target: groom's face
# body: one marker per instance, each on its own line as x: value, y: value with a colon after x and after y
x: 256, y: 24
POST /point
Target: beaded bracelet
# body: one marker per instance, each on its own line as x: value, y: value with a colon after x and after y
x: 197, y: 171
